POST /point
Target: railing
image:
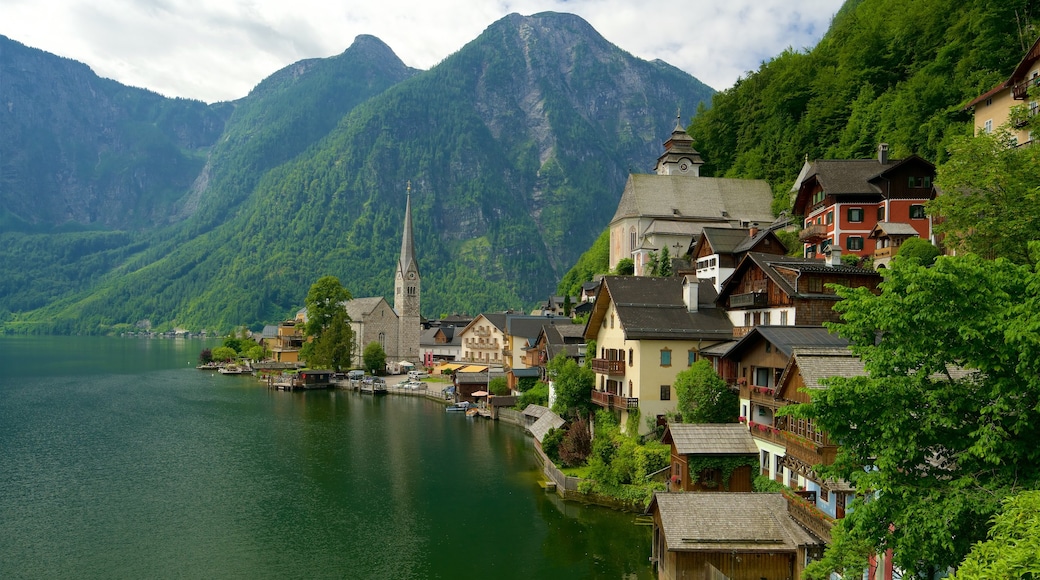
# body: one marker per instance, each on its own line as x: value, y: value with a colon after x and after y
x: 809, y: 516
x: 749, y: 300
x: 814, y: 233
x: 609, y: 400
x: 601, y: 398
x: 762, y: 395
x: 1021, y: 90
x: 883, y: 252
x: 809, y: 453
x: 767, y: 433
x: 608, y: 367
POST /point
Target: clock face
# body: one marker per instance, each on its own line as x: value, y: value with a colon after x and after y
x: 411, y: 275
x: 684, y: 165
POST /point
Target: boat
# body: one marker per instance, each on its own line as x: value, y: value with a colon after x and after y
x: 231, y: 370
x: 210, y: 366
x: 461, y: 406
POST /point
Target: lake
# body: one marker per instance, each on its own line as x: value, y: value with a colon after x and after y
x: 118, y: 459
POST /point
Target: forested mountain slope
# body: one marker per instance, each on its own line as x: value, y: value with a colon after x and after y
x: 516, y: 148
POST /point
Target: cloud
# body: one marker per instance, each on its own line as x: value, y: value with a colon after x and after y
x: 220, y: 50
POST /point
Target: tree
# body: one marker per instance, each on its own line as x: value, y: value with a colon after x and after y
x: 224, y: 353
x: 703, y: 397
x: 918, y: 249
x: 1013, y: 547
x: 335, y: 347
x: 536, y: 395
x: 374, y: 358
x: 567, y: 305
x: 573, y: 385
x: 498, y: 386
x: 324, y: 299
x: 205, y: 356
x: 625, y: 267
x: 577, y: 443
x: 944, y: 425
x: 664, y: 263
x: 991, y: 196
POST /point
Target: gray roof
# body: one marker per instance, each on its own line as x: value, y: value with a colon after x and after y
x: 535, y: 410
x: 815, y: 363
x: 725, y: 240
x: 527, y: 372
x: 682, y: 198
x: 358, y: 308
x: 786, y: 338
x: 546, y: 421
x: 712, y: 439
x: 407, y: 261
x: 653, y: 308
x: 893, y: 229
x: 841, y: 176
x: 720, y: 349
x: 776, y: 266
x: 711, y: 522
x: 530, y: 326
x: 269, y: 331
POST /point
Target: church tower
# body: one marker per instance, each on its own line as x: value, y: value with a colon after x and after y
x: 406, y: 292
x: 679, y: 158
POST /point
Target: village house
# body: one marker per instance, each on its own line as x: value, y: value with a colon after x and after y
x: 842, y: 200
x: 286, y: 341
x: 717, y: 251
x: 993, y: 109
x: 647, y: 330
x: 440, y: 343
x: 768, y: 289
x: 668, y: 208
x: 708, y: 536
x: 704, y: 457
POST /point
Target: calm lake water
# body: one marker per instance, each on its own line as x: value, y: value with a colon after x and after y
x: 118, y: 459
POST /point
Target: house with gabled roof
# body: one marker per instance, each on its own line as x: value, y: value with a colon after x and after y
x: 717, y: 251
x: 888, y: 236
x: 647, y: 330
x: 992, y: 109
x: 484, y: 339
x: 706, y: 536
x: 767, y: 289
x: 694, y: 446
x: 843, y: 199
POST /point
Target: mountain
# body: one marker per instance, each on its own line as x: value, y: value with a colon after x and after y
x: 516, y: 148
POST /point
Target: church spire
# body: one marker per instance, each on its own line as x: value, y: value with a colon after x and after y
x: 407, y: 245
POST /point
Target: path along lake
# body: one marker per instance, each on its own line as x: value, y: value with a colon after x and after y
x: 118, y: 459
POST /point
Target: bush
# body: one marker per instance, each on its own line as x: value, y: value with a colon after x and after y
x: 576, y: 446
x: 551, y: 444
x: 764, y: 484
x: 650, y: 458
x: 498, y: 386
x: 537, y: 395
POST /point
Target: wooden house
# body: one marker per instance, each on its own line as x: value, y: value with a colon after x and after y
x: 717, y: 251
x: 711, y: 457
x: 709, y: 536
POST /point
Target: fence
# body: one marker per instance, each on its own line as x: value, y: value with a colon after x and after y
x: 511, y: 416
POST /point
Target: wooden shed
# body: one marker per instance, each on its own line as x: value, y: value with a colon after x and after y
x: 711, y: 456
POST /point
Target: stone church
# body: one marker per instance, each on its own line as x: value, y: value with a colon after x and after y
x: 396, y: 328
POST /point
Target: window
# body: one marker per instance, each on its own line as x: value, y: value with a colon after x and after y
x: 666, y: 392
x: 769, y: 347
x: 855, y: 242
x: 762, y: 375
x: 824, y: 245
x: 810, y: 252
x: 783, y: 318
x: 691, y: 357
x: 987, y: 127
x: 765, y: 459
x: 666, y: 357
x: 815, y: 284
x: 855, y: 214
x: 881, y: 214
x: 917, y: 212
x: 747, y: 319
x: 830, y: 217
x: 631, y: 359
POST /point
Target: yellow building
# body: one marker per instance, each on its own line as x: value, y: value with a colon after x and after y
x: 993, y: 108
x: 647, y: 330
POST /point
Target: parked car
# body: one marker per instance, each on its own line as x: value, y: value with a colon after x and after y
x: 355, y: 375
x: 416, y: 375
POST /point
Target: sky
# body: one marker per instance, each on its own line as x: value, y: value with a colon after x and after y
x: 218, y: 50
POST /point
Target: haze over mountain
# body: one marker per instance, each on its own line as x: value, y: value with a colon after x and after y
x: 120, y: 206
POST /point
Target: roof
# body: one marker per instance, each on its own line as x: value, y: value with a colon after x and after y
x: 530, y: 326
x: 407, y: 261
x: 775, y: 266
x: 720, y: 349
x: 724, y: 240
x: 893, y: 229
x: 787, y: 338
x: 849, y: 177
x: 682, y: 198
x: 733, y: 521
x: 711, y: 439
x: 653, y: 308
x: 527, y: 372
x: 815, y: 363
x: 548, y: 420
x: 535, y: 410
x: 358, y: 308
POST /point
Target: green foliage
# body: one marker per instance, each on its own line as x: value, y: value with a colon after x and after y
x: 254, y: 353
x: 724, y: 465
x: 374, y: 358
x: 943, y: 428
x: 573, y: 385
x: 498, y: 386
x: 1013, y: 547
x: 324, y: 303
x: 224, y: 353
x: 991, y: 197
x: 703, y: 397
x: 551, y: 443
x: 625, y: 267
x: 765, y: 484
x: 918, y: 249
x: 651, y: 457
x: 595, y: 260
x: 620, y: 467
x: 334, y: 349
x: 525, y: 384
x: 536, y: 395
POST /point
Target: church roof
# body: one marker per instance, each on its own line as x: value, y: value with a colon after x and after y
x: 407, y: 261
x: 359, y: 308
x: 711, y: 200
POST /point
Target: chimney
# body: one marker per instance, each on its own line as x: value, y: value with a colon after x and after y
x: 690, y: 293
x: 753, y: 230
x: 834, y: 255
x: 882, y: 153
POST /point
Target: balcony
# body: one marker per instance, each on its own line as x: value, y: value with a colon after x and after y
x: 881, y: 253
x: 809, y: 516
x: 762, y: 395
x: 814, y: 233
x: 612, y: 401
x: 767, y: 433
x: 749, y: 300
x: 809, y: 452
x: 608, y: 367
x: 1021, y: 90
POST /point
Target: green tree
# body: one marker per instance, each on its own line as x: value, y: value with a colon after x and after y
x: 703, y: 397
x: 335, y: 347
x: 324, y: 299
x: 254, y: 353
x: 573, y: 385
x: 664, y: 263
x: 567, y: 305
x: 918, y: 249
x: 498, y: 386
x: 224, y: 353
x: 625, y: 267
x: 991, y: 196
x: 944, y: 426
x: 374, y: 358
x: 536, y: 395
x: 1013, y: 547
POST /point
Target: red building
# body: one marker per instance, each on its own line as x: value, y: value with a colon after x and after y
x: 842, y: 200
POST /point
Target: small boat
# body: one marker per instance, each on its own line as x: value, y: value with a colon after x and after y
x: 461, y: 407
x: 231, y: 370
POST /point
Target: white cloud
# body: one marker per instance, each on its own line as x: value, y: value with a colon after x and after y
x: 220, y: 50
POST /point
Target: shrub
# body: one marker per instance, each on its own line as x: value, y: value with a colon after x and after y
x: 551, y: 443
x: 537, y: 395
x: 576, y: 445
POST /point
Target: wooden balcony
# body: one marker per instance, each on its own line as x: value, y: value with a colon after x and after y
x: 612, y: 401
x: 814, y: 233
x: 601, y: 398
x: 809, y: 516
x: 608, y: 367
x: 810, y: 453
x: 763, y: 396
x: 884, y: 252
x: 1021, y: 90
x: 749, y: 300
x: 767, y: 433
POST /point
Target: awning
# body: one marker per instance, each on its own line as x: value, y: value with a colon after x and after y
x: 480, y: 394
x: 405, y: 363
x: 472, y: 369
x: 450, y: 366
